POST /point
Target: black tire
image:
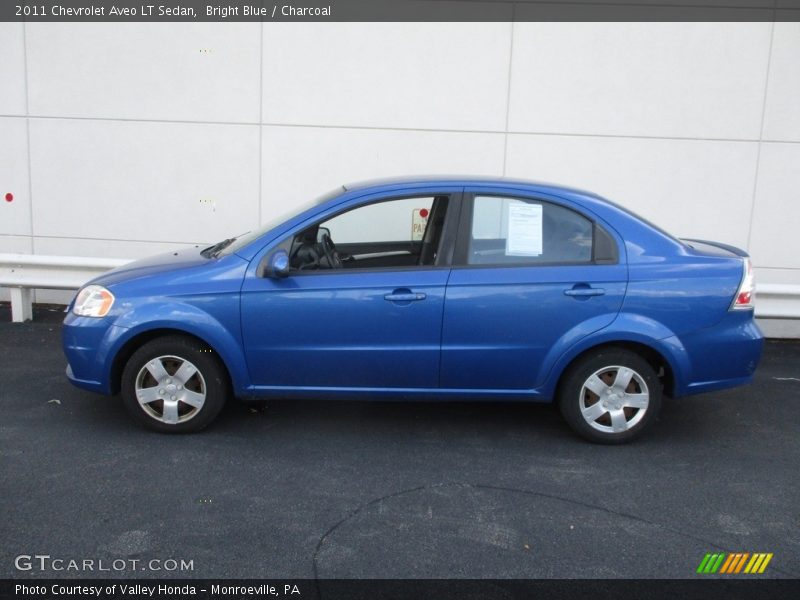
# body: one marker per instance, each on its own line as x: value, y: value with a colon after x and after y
x: 574, y: 399
x: 210, y: 379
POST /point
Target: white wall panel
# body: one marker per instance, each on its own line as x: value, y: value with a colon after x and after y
x: 60, y: 246
x: 782, y: 112
x: 779, y: 275
x: 411, y: 75
x: 144, y: 181
x: 642, y: 79
x: 301, y: 163
x: 775, y: 239
x: 15, y: 244
x: 12, y: 69
x: 690, y: 188
x: 182, y: 71
x: 14, y: 215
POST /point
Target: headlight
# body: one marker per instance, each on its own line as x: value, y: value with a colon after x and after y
x: 93, y: 301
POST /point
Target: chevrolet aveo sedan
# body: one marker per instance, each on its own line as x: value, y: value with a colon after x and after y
x: 425, y: 290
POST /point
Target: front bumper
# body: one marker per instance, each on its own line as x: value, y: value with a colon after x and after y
x: 87, y: 343
x: 85, y: 384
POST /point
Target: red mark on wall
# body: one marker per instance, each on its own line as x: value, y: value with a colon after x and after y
x: 9, y: 197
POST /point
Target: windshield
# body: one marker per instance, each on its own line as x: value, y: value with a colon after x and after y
x: 242, y: 240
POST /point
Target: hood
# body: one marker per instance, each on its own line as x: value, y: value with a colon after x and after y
x: 160, y: 263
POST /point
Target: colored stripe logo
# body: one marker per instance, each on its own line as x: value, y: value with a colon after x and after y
x: 734, y: 563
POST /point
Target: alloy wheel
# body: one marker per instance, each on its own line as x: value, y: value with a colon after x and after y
x: 170, y: 389
x: 614, y: 399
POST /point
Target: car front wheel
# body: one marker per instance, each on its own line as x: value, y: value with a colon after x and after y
x: 610, y: 397
x: 174, y: 385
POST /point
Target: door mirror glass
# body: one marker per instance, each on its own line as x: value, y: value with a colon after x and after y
x: 278, y: 264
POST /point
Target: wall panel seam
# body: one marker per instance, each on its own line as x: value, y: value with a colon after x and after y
x: 416, y: 129
x: 260, y: 119
x: 29, y: 167
x: 760, y: 140
x: 508, y: 88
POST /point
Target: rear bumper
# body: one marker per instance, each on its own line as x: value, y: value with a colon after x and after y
x: 722, y: 356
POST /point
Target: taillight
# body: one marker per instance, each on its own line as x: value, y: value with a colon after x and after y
x: 745, y: 295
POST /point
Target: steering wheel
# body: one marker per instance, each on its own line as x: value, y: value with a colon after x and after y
x: 331, y: 254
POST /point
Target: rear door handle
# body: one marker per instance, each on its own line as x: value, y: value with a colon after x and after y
x: 584, y: 291
x: 404, y: 296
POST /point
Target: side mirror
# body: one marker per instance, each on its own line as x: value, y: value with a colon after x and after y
x: 278, y: 265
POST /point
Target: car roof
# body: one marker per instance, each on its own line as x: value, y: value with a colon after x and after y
x: 464, y: 180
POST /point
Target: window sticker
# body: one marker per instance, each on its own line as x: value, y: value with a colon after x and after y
x: 524, y: 230
x: 419, y: 219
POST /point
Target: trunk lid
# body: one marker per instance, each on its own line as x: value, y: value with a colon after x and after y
x: 708, y: 248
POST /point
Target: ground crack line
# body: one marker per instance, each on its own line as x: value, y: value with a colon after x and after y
x: 361, y: 508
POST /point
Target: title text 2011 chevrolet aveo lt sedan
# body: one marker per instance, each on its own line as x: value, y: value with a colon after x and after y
x: 425, y: 289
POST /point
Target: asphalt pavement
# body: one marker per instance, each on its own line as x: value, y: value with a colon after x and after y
x: 385, y: 490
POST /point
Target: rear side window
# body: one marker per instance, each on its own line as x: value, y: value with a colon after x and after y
x: 517, y: 231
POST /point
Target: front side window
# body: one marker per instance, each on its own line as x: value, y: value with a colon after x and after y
x: 400, y: 232
x: 516, y: 231
x: 400, y: 220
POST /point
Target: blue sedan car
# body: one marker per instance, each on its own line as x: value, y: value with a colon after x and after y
x: 434, y: 289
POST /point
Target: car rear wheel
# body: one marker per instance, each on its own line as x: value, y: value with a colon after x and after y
x: 174, y: 385
x: 610, y: 397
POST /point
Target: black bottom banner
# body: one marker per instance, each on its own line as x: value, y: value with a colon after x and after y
x: 402, y: 589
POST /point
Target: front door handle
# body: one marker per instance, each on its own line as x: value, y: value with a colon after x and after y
x: 584, y: 291
x: 404, y: 296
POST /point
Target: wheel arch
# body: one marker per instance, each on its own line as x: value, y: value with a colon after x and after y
x: 661, y: 365
x: 138, y: 339
x: 636, y: 332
